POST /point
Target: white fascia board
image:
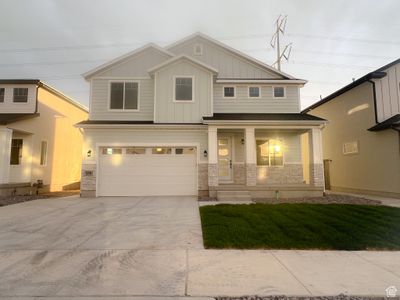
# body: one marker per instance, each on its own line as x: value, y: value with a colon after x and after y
x: 164, y: 126
x: 267, y: 123
x: 237, y: 52
x: 179, y: 57
x: 90, y: 73
x: 276, y: 81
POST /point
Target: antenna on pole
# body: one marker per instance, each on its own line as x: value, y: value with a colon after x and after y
x: 275, y: 42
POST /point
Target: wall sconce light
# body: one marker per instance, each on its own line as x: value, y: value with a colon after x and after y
x: 89, y: 153
x: 205, y: 153
x: 242, y: 141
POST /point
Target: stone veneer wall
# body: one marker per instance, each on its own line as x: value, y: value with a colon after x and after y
x: 212, y: 174
x: 317, y: 175
x: 287, y: 174
x: 251, y: 174
x: 239, y: 173
x: 88, y: 180
x: 202, y: 177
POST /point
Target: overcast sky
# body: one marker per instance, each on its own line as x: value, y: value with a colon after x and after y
x: 333, y: 41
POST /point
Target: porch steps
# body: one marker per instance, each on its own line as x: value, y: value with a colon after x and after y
x: 234, y: 196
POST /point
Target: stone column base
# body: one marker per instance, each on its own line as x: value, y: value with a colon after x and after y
x: 88, y: 180
x: 251, y: 174
x: 212, y: 174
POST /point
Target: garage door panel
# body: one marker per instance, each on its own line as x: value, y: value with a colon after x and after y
x: 147, y: 174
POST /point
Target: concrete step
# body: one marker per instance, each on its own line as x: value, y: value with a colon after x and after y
x: 233, y: 196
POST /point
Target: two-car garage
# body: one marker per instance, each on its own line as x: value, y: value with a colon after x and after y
x: 147, y: 171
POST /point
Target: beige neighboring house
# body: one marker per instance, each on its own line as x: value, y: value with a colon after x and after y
x: 198, y: 118
x: 38, y: 139
x: 362, y: 139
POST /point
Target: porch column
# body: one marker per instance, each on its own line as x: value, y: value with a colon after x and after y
x: 5, y: 153
x: 212, y: 156
x: 251, y: 168
x: 316, y: 158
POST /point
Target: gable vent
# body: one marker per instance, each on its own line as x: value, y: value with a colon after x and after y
x: 198, y: 49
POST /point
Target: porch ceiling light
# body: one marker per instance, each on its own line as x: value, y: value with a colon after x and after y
x: 159, y: 149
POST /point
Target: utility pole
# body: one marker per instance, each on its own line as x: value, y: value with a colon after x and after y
x: 275, y: 42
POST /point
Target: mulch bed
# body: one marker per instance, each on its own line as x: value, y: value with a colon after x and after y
x: 328, y: 199
x: 8, y: 200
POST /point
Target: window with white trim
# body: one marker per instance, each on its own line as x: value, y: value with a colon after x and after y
x: 254, y: 92
x: 124, y: 95
x: 350, y: 148
x: 111, y: 151
x: 183, y: 89
x: 229, y: 92
x: 20, y: 95
x: 43, y: 153
x: 279, y: 92
x: 16, y: 151
x: 2, y: 93
x: 198, y: 49
x: 269, y: 152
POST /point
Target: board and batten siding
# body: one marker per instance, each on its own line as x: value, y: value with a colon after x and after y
x: 388, y: 94
x: 228, y: 64
x: 154, y: 137
x: 100, y: 105
x: 169, y: 111
x: 242, y: 103
x: 8, y: 106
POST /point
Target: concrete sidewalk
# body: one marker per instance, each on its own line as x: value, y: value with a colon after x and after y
x: 196, y: 273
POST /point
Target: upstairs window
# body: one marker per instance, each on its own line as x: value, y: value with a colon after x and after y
x: 279, y: 92
x: 229, y: 92
x: 2, y: 92
x: 254, y: 92
x: 184, y: 89
x: 16, y: 151
x: 198, y: 49
x: 124, y: 95
x: 20, y: 95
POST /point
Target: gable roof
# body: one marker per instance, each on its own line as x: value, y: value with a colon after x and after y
x: 119, y: 59
x: 232, y: 50
x: 377, y: 74
x: 183, y: 57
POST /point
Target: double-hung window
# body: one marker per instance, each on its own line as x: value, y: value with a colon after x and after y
x: 254, y: 92
x: 20, y: 95
x: 16, y: 151
x: 229, y: 92
x: 269, y: 152
x: 124, y: 95
x: 183, y: 89
x: 279, y: 92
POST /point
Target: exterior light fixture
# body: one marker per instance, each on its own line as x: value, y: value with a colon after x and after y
x: 205, y: 153
x: 242, y: 141
x: 89, y: 153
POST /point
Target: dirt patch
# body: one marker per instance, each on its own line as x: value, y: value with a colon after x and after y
x: 8, y: 200
x: 328, y: 199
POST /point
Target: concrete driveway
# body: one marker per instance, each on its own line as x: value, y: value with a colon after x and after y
x: 151, y: 248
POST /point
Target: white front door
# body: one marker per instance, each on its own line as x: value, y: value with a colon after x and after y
x: 225, y: 158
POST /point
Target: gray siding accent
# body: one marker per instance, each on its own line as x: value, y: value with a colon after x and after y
x: 388, y: 94
x: 8, y: 106
x: 228, y: 64
x: 168, y: 111
x: 137, y: 65
x: 99, y: 102
x: 151, y: 136
x: 265, y: 104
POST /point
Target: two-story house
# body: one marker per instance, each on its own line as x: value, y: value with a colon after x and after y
x: 362, y: 140
x: 38, y: 140
x: 198, y: 118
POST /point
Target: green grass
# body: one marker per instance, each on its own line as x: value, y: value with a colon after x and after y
x: 301, y: 226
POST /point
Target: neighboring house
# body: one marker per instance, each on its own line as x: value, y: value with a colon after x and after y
x: 37, y: 136
x: 362, y: 141
x: 198, y: 118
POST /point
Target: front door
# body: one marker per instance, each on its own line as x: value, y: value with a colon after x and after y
x: 225, y: 158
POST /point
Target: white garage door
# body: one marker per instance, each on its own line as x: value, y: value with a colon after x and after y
x: 155, y: 171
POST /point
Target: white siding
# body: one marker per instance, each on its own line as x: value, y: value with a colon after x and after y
x: 151, y: 136
x: 265, y: 104
x: 388, y: 94
x: 137, y: 65
x: 228, y: 64
x: 8, y: 106
x: 168, y: 111
x: 99, y: 104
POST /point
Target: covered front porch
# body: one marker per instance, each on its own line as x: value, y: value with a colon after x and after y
x: 266, y: 161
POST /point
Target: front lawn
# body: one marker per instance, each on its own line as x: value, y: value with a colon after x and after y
x: 301, y: 226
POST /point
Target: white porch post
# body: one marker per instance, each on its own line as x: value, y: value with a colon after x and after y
x: 251, y: 168
x: 316, y: 158
x: 212, y: 156
x: 5, y: 153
